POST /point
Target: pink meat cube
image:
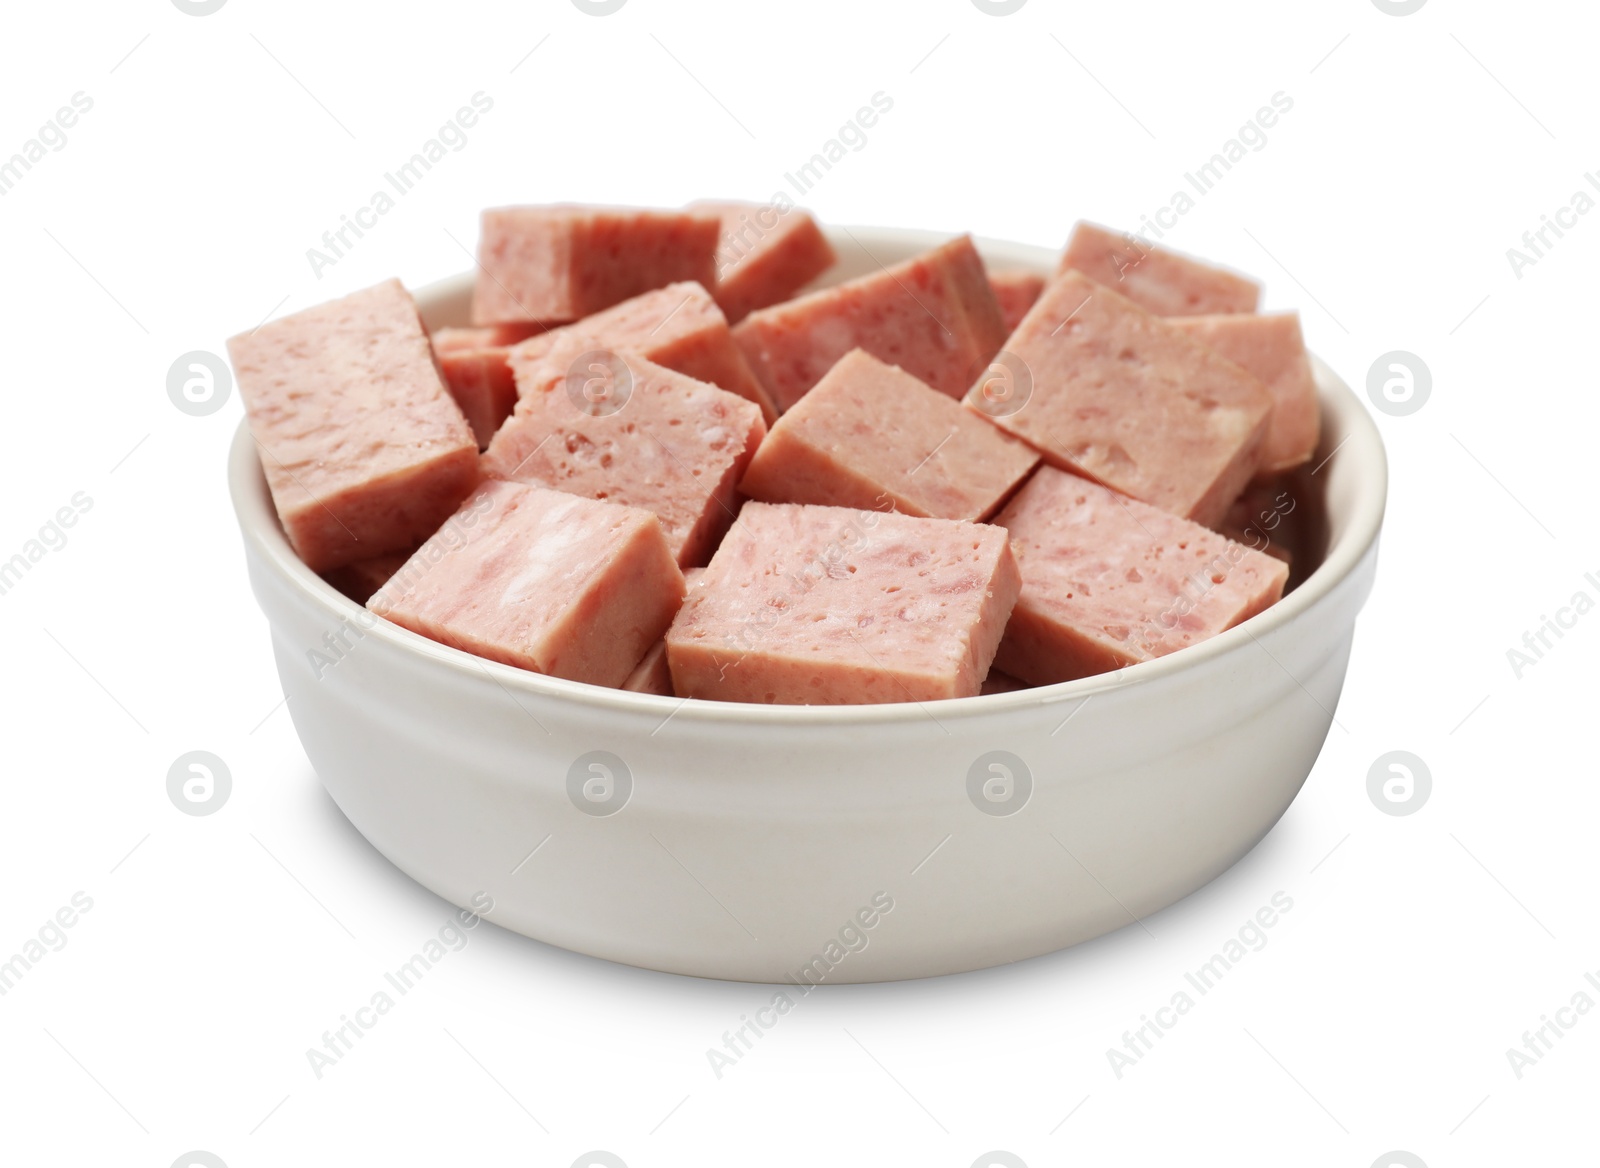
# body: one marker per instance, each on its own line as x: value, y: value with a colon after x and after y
x: 541, y: 580
x: 1161, y: 281
x: 1016, y: 291
x: 870, y: 435
x: 473, y: 363
x: 767, y: 255
x: 1111, y: 392
x: 363, y: 449
x: 679, y: 326
x: 562, y: 263
x: 646, y: 437
x: 934, y: 315
x: 1272, y: 348
x: 1108, y: 581
x: 832, y: 606
x: 651, y: 675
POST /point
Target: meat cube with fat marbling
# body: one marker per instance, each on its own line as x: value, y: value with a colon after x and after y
x: 833, y: 606
x: 1102, y: 388
x: 933, y: 315
x: 561, y: 263
x: 1161, y: 281
x: 626, y: 430
x: 1272, y: 348
x: 363, y: 449
x: 1016, y: 291
x: 542, y: 580
x: 1108, y: 581
x: 870, y: 435
x: 679, y: 326
x: 767, y: 254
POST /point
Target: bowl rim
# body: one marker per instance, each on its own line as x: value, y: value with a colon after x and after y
x: 264, y: 535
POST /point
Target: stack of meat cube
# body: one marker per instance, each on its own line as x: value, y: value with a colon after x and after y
x: 661, y: 458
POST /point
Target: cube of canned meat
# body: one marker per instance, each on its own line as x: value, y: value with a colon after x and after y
x: 541, y: 580
x: 561, y: 263
x: 869, y: 435
x: 831, y: 606
x: 1108, y: 581
x: 934, y: 315
x: 363, y: 449
x: 679, y: 326
x: 1161, y: 281
x: 1272, y: 348
x: 651, y: 675
x: 617, y: 427
x: 767, y: 254
x: 1102, y: 388
x: 473, y: 364
x: 1016, y: 291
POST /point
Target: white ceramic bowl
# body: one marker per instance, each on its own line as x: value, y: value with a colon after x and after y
x: 757, y: 840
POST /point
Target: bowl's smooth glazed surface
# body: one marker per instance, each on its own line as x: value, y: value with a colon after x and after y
x: 822, y: 844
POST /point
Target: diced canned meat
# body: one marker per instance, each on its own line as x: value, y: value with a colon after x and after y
x: 623, y: 429
x: 679, y: 326
x: 561, y: 263
x: 767, y: 254
x: 651, y: 675
x: 654, y: 461
x: 1102, y: 388
x: 363, y: 449
x: 1158, y: 280
x: 934, y: 315
x: 541, y: 580
x: 870, y: 435
x: 830, y: 606
x: 473, y: 363
x: 1272, y: 348
x: 1108, y: 581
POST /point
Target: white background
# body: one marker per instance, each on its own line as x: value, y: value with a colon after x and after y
x: 220, y: 148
